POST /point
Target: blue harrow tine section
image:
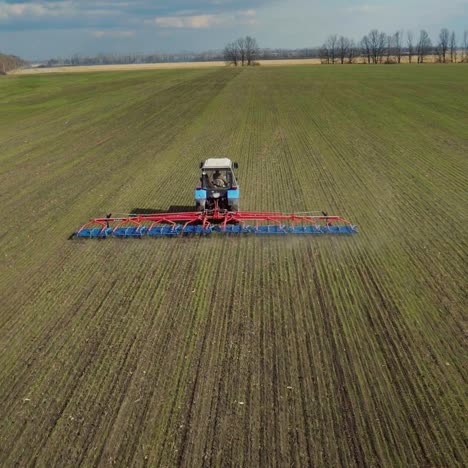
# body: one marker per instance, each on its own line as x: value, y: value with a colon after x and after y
x: 173, y: 230
x: 239, y: 229
x: 132, y: 232
x: 164, y: 230
x: 281, y: 229
x: 323, y: 229
x: 270, y: 229
x: 128, y: 232
x: 232, y: 229
x: 197, y: 229
x: 306, y: 230
x: 94, y: 233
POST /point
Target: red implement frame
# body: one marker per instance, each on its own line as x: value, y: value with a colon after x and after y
x: 215, y: 217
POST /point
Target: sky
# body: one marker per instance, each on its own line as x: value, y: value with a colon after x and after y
x: 41, y: 29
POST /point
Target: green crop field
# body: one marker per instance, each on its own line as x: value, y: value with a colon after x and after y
x: 253, y: 351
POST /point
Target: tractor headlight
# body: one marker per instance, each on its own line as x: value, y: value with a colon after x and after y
x: 216, y: 194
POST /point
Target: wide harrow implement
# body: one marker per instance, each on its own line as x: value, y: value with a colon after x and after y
x: 214, y: 221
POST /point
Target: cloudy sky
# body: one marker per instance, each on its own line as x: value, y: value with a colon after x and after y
x: 39, y: 29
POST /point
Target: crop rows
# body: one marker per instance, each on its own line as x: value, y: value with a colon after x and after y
x: 247, y: 351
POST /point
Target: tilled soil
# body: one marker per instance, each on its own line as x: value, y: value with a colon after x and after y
x: 236, y: 351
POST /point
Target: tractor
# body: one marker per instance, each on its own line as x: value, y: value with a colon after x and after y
x: 218, y: 188
x: 216, y: 211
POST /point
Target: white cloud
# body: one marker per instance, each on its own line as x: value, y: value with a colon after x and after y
x: 364, y: 9
x: 18, y: 10
x: 113, y: 34
x: 188, y: 22
x: 184, y: 21
x: 56, y: 9
x: 247, y: 17
x: 249, y: 13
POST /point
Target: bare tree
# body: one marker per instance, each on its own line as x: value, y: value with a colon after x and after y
x: 332, y: 43
x: 75, y: 60
x: 389, y: 48
x: 251, y: 50
x: 397, y: 43
x: 352, y: 52
x: 409, y: 41
x: 343, y: 46
x: 231, y: 54
x: 377, y: 45
x: 438, y: 52
x: 366, y: 48
x: 465, y: 46
x: 453, y: 47
x: 242, y: 50
x: 381, y: 47
x: 324, y: 54
x: 424, y: 46
x: 442, y: 46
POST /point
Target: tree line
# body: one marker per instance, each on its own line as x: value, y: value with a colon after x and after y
x: 10, y: 62
x: 174, y: 57
x: 379, y: 47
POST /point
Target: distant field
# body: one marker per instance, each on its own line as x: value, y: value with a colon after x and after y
x: 171, y: 66
x: 243, y: 351
x: 156, y: 66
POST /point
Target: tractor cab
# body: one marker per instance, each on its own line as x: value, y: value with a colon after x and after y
x: 218, y: 188
x: 217, y: 179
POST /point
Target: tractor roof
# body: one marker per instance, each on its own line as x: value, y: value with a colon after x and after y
x: 217, y: 163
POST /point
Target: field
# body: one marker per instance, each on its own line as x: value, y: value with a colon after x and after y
x: 155, y: 66
x: 177, y: 65
x: 235, y: 351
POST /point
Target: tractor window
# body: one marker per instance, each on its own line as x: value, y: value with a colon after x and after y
x: 213, y: 179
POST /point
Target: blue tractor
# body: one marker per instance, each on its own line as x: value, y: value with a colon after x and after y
x: 218, y: 188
